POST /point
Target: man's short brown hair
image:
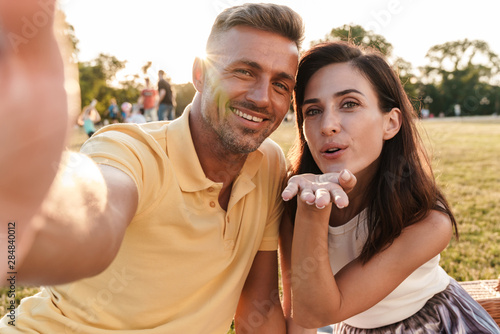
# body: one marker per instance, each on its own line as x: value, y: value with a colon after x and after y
x: 278, y: 19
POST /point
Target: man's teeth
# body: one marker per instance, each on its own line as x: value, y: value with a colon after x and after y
x: 246, y: 116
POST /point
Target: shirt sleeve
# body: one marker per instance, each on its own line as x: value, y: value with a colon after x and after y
x: 129, y: 149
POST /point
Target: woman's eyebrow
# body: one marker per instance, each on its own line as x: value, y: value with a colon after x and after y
x: 308, y: 101
x: 338, y: 94
x: 347, y: 91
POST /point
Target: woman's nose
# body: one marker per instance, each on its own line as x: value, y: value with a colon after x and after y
x: 330, y: 122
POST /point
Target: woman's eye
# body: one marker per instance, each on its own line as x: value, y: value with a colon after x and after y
x: 350, y: 104
x: 313, y: 111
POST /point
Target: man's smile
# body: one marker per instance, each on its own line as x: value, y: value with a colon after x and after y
x: 247, y: 116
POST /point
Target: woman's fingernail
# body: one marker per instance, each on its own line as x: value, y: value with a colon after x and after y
x: 346, y: 176
x: 336, y: 200
x: 310, y: 203
x: 320, y: 207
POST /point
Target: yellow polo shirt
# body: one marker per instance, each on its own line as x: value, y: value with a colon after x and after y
x: 184, y: 260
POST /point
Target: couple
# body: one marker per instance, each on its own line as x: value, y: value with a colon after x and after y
x: 173, y: 227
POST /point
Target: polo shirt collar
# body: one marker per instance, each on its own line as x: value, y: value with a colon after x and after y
x: 182, y: 154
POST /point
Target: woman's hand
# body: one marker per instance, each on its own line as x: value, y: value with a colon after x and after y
x: 322, y: 189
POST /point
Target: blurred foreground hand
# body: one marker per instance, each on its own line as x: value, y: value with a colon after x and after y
x: 34, y: 114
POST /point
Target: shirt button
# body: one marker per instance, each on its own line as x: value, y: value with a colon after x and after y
x: 212, y: 204
x: 210, y: 189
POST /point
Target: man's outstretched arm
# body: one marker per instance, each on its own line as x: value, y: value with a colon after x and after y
x: 83, y: 221
x: 62, y: 220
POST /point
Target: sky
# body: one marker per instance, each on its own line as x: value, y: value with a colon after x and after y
x: 171, y: 34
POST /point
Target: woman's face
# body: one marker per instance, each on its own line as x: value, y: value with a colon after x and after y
x: 343, y: 125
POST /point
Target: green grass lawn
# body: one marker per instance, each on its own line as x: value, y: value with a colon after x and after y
x: 466, y: 160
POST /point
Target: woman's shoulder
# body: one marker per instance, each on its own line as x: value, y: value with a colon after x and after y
x: 435, y: 229
x: 437, y: 220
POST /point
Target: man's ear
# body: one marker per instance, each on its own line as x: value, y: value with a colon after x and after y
x: 198, y: 74
x: 392, y: 123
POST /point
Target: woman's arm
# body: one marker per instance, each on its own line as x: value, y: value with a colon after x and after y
x: 285, y: 255
x: 314, y: 289
x: 320, y: 298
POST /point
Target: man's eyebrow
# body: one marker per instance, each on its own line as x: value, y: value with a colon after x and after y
x: 286, y: 76
x: 257, y: 66
x: 251, y: 63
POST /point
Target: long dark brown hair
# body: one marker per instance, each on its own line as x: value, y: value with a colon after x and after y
x: 403, y: 189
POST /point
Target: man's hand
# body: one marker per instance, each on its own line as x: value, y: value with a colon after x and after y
x: 34, y: 110
x: 321, y: 190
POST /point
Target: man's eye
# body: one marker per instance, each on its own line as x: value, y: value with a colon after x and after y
x: 281, y: 86
x: 242, y: 71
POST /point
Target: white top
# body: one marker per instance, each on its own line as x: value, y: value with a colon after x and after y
x: 345, y: 244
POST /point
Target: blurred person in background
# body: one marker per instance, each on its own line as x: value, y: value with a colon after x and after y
x: 148, y: 99
x: 89, y: 117
x: 166, y: 104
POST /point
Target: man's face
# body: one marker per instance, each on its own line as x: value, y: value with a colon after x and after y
x: 248, y: 81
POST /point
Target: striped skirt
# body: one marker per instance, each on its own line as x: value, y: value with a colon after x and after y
x: 452, y: 311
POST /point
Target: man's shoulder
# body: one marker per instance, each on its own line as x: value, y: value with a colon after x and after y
x: 272, y: 155
x: 148, y: 133
x: 270, y: 147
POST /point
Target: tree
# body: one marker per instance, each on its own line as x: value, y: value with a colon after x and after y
x: 129, y: 91
x: 146, y: 67
x: 359, y: 36
x: 464, y: 55
x: 109, y: 65
x: 95, y: 77
x: 408, y: 80
x: 463, y: 73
